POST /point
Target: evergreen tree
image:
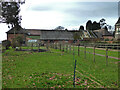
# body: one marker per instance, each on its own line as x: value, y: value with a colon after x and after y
x: 96, y: 26
x: 89, y: 25
x: 81, y: 27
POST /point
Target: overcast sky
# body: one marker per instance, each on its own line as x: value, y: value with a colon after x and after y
x: 48, y: 14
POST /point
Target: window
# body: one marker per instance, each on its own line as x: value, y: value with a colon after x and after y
x: 117, y: 30
x: 32, y: 40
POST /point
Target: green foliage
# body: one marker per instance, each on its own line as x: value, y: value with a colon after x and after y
x: 76, y: 35
x: 96, y: 26
x: 81, y: 27
x: 10, y: 13
x: 6, y: 44
x: 34, y: 37
x: 89, y: 25
x: 106, y: 39
x: 59, y: 28
x: 92, y: 26
x: 17, y: 42
x: 102, y: 22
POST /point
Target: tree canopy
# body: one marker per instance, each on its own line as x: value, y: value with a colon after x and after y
x: 10, y: 14
x: 97, y: 25
x: 104, y: 25
x: 59, y: 28
x: 102, y: 22
x: 89, y: 25
x: 81, y: 27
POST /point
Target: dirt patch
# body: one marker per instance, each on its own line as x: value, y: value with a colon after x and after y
x: 34, y: 50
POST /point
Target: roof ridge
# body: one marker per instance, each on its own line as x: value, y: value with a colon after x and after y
x: 118, y: 21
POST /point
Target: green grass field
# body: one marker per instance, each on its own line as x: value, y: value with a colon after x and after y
x: 55, y: 69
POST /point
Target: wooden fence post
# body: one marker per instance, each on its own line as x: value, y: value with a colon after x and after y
x: 50, y: 45
x: 60, y: 46
x: 38, y: 46
x: 70, y: 48
x: 78, y: 51
x: 106, y: 56
x: 85, y: 52
x: 73, y: 49
x: 94, y: 54
x: 66, y: 48
x: 54, y: 45
x: 47, y: 45
x: 63, y: 47
x: 73, y: 52
x: 32, y: 46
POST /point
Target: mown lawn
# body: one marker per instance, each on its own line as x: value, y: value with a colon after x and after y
x: 22, y: 69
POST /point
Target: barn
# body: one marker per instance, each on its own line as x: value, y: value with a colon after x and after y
x: 37, y: 35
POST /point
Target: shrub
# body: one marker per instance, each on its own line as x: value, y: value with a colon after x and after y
x: 106, y: 39
x: 6, y: 44
x: 17, y: 42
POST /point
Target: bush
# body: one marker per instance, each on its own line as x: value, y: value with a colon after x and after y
x: 17, y: 42
x: 6, y: 44
x: 106, y: 39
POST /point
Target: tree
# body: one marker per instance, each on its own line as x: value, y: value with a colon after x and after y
x: 76, y: 36
x: 89, y: 25
x: 96, y: 26
x: 66, y: 29
x: 110, y: 27
x: 81, y: 27
x: 10, y: 13
x: 17, y: 42
x: 102, y: 23
x: 6, y: 44
x: 59, y: 28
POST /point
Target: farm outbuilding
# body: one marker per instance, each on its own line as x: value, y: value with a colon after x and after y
x: 117, y: 29
x: 56, y: 35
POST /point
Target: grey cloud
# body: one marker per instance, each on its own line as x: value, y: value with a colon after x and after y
x: 94, y: 10
x: 82, y: 9
x: 41, y: 8
x: 79, y: 12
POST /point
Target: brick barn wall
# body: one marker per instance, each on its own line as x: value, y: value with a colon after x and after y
x: 108, y: 37
x: 11, y: 36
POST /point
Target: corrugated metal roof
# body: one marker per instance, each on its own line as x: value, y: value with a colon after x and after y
x: 102, y: 32
x: 56, y: 35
